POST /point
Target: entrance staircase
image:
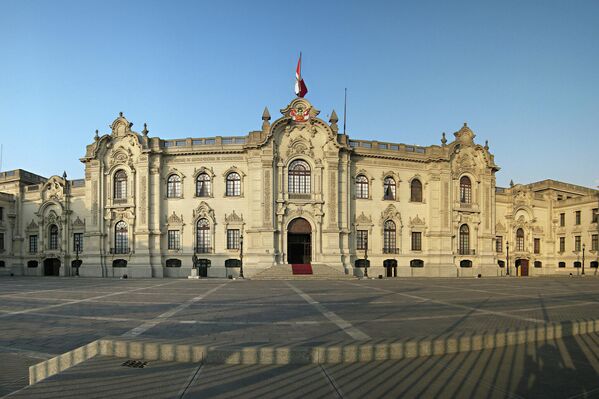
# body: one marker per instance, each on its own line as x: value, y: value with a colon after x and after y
x: 284, y: 272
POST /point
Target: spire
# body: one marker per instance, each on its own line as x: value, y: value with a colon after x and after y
x: 487, y: 145
x: 443, y: 139
x: 265, y: 119
x: 64, y: 175
x: 145, y: 131
x: 511, y: 183
x: 333, y: 121
x: 96, y: 137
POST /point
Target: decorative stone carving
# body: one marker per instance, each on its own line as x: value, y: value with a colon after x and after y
x: 53, y: 189
x: 500, y: 228
x: 417, y: 221
x: 32, y: 226
x: 390, y: 212
x: 204, y: 211
x: 233, y: 218
x: 174, y: 219
x: 78, y: 223
x: 363, y: 219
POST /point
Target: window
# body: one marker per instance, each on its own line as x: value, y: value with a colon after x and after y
x: 538, y: 263
x: 577, y: 243
x: 173, y: 186
x: 520, y: 240
x: 389, y: 237
x: 33, y: 244
x: 562, y: 244
x: 416, y: 241
x: 594, y: 264
x: 299, y: 177
x: 464, y: 240
x: 362, y: 239
x: 537, y: 245
x: 595, y: 215
x: 562, y: 219
x: 53, y: 243
x: 232, y: 263
x: 78, y: 242
x: 203, y: 236
x: 233, y: 188
x: 577, y: 264
x: 577, y: 217
x: 501, y: 263
x: 362, y: 187
x: 203, y: 185
x: 389, y: 188
x: 120, y: 185
x: 416, y: 263
x: 119, y: 263
x: 1, y: 213
x: 561, y: 264
x: 499, y: 244
x: 121, y: 238
x: 173, y: 263
x: 174, y: 239
x: 32, y: 263
x: 594, y: 242
x: 466, y: 263
x: 416, y: 191
x: 1, y: 242
x: 233, y: 238
x: 465, y: 190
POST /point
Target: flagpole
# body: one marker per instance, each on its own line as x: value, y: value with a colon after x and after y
x: 344, y: 110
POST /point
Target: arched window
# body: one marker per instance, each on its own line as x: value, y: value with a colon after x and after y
x: 501, y: 263
x: 233, y: 188
x: 121, y: 238
x: 561, y: 264
x: 520, y: 240
x: 389, y: 238
x: 594, y: 264
x: 120, y: 185
x: 203, y: 185
x: 389, y: 188
x: 53, y: 242
x: 299, y: 177
x: 203, y: 236
x: 538, y: 263
x: 416, y: 191
x: 465, y: 263
x: 465, y: 190
x: 173, y: 263
x: 464, y: 240
x: 361, y: 187
x: 416, y: 263
x: 173, y: 186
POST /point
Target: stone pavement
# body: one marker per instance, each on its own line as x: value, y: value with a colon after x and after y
x: 565, y: 368
x: 40, y: 317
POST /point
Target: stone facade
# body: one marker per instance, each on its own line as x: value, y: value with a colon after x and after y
x: 151, y: 208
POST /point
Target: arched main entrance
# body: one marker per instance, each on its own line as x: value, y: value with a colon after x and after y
x: 51, y: 267
x: 299, y: 242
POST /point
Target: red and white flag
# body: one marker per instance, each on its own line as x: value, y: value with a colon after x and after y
x: 300, y: 86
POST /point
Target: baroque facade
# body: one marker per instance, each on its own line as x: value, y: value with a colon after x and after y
x: 295, y: 191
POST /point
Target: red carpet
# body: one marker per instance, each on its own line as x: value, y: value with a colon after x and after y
x: 301, y: 268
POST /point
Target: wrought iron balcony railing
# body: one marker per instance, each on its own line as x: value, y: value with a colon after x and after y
x: 203, y: 250
x: 464, y: 251
x: 120, y: 250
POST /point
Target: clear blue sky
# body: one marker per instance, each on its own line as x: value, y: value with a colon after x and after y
x: 523, y: 74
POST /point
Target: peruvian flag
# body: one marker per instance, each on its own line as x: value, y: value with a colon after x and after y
x: 300, y: 86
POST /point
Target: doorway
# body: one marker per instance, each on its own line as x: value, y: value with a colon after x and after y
x: 390, y: 266
x: 299, y: 242
x: 522, y: 267
x: 52, y: 267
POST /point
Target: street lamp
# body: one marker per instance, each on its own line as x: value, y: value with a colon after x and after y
x: 241, y: 256
x: 507, y: 245
x: 77, y: 249
x: 366, y: 257
x: 583, y: 246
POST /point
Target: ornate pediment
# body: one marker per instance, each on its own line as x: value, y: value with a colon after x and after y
x: 537, y: 229
x: 363, y: 219
x: 78, y: 222
x: 499, y: 227
x: 120, y: 126
x: 233, y: 218
x: 32, y: 225
x: 417, y: 221
x: 204, y: 211
x: 390, y: 212
x: 300, y: 111
x: 174, y: 219
x: 300, y: 146
x: 53, y: 189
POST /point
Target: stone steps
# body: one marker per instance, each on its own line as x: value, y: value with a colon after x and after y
x: 284, y: 272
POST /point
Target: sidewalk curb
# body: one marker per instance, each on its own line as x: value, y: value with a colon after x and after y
x: 342, y: 352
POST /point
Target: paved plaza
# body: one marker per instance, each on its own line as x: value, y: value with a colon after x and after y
x: 44, y: 317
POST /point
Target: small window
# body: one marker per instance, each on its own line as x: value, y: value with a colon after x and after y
x: 595, y: 215
x: 562, y: 219
x: 577, y: 243
x: 594, y: 242
x: 361, y: 239
x: 174, y: 239
x: 33, y: 243
x: 416, y: 241
x: 499, y: 244
x: 78, y: 242
x: 232, y: 263
x: 561, y: 264
x: 594, y: 264
x: 173, y: 263
x: 2, y: 264
x: 416, y: 263
x: 538, y: 263
x: 362, y: 187
x: 173, y: 186
x: 32, y: 263
x: 416, y: 191
x: 233, y: 238
x: 537, y: 245
x: 233, y: 188
x: 362, y: 263
x: 466, y: 263
x: 119, y: 263
x: 1, y: 213
x: 389, y: 188
x: 562, y: 244
x: 501, y: 263
x: 577, y: 217
x: 577, y: 264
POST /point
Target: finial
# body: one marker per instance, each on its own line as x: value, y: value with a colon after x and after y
x: 487, y: 145
x: 64, y: 175
x: 145, y: 131
x: 334, y: 118
x: 465, y: 124
x: 121, y: 114
x: 511, y: 183
x: 443, y: 139
x: 97, y: 137
x: 265, y: 114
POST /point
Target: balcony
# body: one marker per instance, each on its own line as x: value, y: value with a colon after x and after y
x: 464, y: 251
x: 120, y: 250
x: 390, y: 250
x: 203, y: 250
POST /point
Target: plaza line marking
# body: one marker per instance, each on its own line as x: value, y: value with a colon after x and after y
x: 26, y: 352
x: 166, y: 315
x: 32, y: 310
x: 344, y: 325
x: 455, y: 305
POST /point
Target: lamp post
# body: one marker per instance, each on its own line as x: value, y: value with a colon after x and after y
x: 77, y: 249
x: 583, y: 246
x: 366, y: 257
x: 241, y: 256
x: 507, y: 245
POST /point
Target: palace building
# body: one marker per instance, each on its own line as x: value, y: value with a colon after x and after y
x: 297, y: 191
